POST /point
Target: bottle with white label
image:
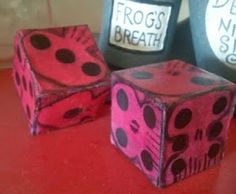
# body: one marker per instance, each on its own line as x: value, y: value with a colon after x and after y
x: 137, y: 32
x: 213, y: 24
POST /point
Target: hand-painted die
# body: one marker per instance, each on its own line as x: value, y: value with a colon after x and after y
x: 60, y: 76
x: 171, y: 119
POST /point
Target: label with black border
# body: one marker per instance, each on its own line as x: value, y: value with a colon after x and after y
x: 139, y: 26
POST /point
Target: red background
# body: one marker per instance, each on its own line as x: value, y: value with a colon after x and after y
x: 82, y: 160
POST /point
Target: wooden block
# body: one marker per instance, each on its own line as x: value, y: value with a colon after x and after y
x: 60, y: 76
x: 171, y: 119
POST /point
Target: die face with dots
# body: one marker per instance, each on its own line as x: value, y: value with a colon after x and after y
x: 136, y: 127
x: 171, y: 119
x: 61, y: 77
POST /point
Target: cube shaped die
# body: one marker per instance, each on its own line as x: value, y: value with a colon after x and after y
x: 171, y: 119
x: 60, y: 76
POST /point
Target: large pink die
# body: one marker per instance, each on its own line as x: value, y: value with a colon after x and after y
x: 171, y: 119
x: 60, y: 76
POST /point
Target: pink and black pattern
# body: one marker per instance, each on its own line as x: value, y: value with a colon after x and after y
x: 55, y: 67
x: 195, y: 134
x: 68, y: 56
x: 81, y: 107
x: 136, y: 124
x: 24, y: 82
x: 171, y: 119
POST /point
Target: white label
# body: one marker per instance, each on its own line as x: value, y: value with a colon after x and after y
x: 221, y: 30
x: 139, y: 26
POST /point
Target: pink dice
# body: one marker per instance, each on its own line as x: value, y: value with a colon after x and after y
x: 60, y: 76
x: 171, y: 119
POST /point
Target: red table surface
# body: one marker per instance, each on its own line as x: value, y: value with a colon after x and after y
x: 82, y: 160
